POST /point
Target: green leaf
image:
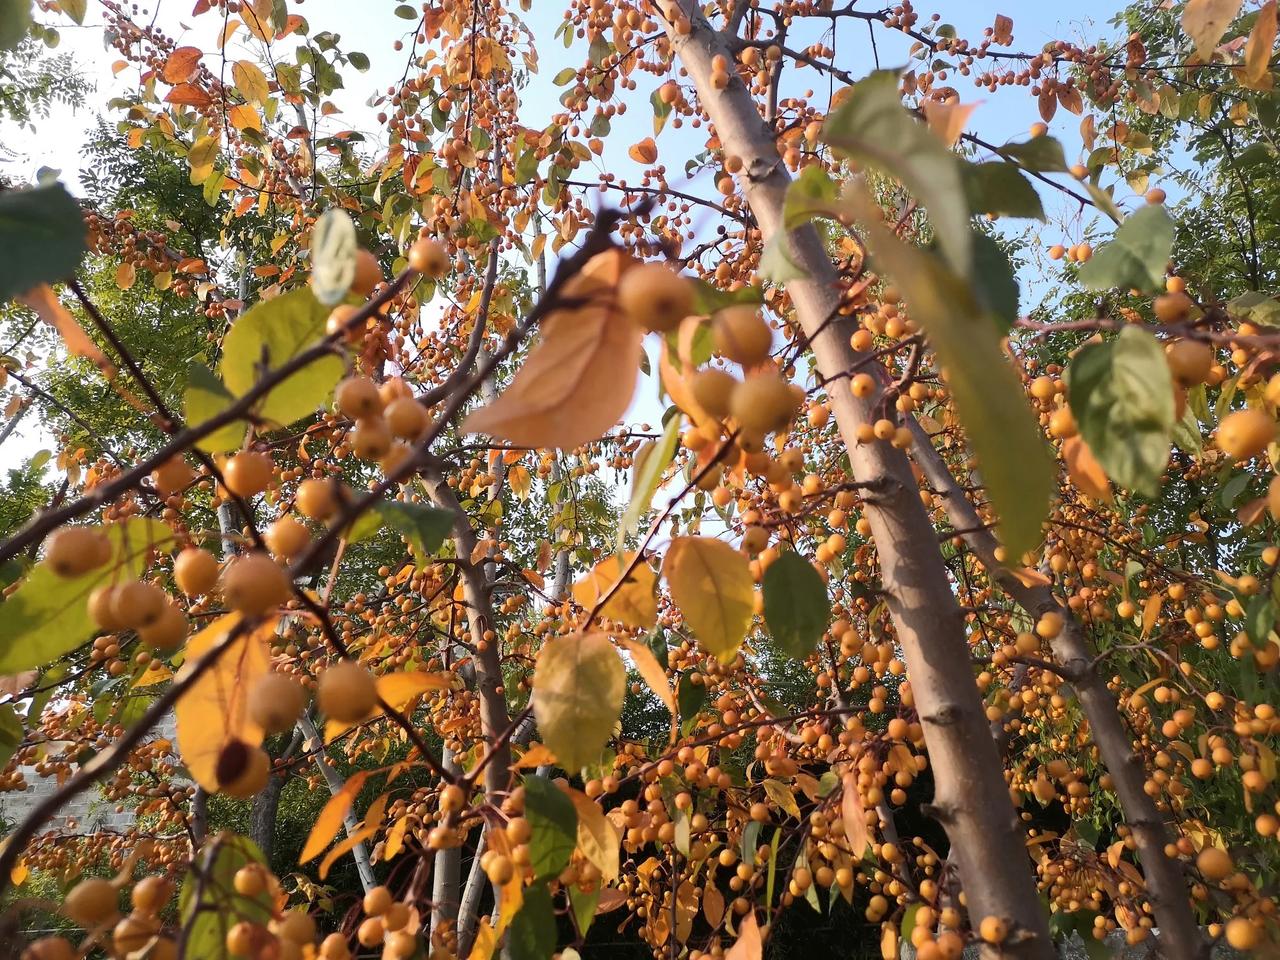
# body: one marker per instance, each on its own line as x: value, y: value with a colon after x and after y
x: 75, y: 9
x: 1259, y: 618
x: 776, y: 263
x: 424, y: 527
x: 1259, y: 308
x: 661, y: 111
x: 205, y: 397
x: 708, y: 298
x: 564, y: 76
x: 812, y: 194
x: 533, y: 929
x: 1020, y: 478
x: 1136, y: 256
x: 274, y: 332
x: 690, y: 698
x: 48, y: 615
x: 41, y: 233
x: 1041, y: 154
x: 1121, y: 393
x: 796, y: 607
x: 873, y: 127
x: 651, y: 462
x: 1104, y: 201
x: 406, y: 12
x: 1001, y: 188
x: 994, y: 281
x: 1186, y: 433
x: 210, y: 907
x: 10, y: 732
x: 333, y: 256
x: 584, y: 907
x: 554, y: 827
x: 358, y: 60
x: 15, y: 20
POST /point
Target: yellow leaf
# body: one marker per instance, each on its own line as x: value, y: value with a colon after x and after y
x: 1084, y: 470
x: 713, y: 904
x: 251, y: 81
x: 200, y: 159
x: 521, y: 481
x: 126, y: 274
x: 215, y: 710
x: 395, y: 839
x: 782, y: 797
x: 634, y: 603
x: 711, y: 584
x: 651, y: 671
x: 1205, y: 21
x: 18, y: 875
x: 578, y: 687
x: 156, y: 672
x: 748, y: 946
x: 535, y: 756
x: 580, y: 377
x: 598, y: 839
x: 485, y: 943
x: 332, y: 856
x: 330, y: 820
x: 398, y: 689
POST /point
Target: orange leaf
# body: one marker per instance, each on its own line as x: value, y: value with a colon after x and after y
x: 748, y: 946
x: 948, y: 120
x: 1257, y: 52
x: 181, y: 65
x: 1084, y: 470
x: 853, y: 814
x: 331, y: 817
x: 189, y: 95
x: 651, y: 672
x: 1151, y: 612
x: 646, y: 151
x: 581, y: 375
x: 244, y: 117
x: 1002, y: 34
x: 215, y: 710
x: 126, y: 274
x: 398, y: 689
x: 51, y: 311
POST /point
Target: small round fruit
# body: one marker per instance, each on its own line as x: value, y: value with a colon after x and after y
x: 172, y: 476
x: 741, y: 334
x: 91, y: 902
x: 368, y: 273
x: 406, y: 418
x: 242, y: 938
x: 378, y: 901
x: 712, y: 389
x: 371, y: 440
x: 763, y: 403
x: 429, y: 257
x: 346, y: 692
x: 357, y: 398
x: 50, y: 948
x: 1214, y: 863
x: 138, y: 604
x: 993, y: 930
x: 133, y: 933
x: 252, y: 778
x: 396, y: 917
x: 1172, y: 307
x: 168, y: 632
x: 254, y: 583
x: 401, y: 945
x: 317, y: 499
x: 1244, y: 434
x: 296, y: 925
x: 1189, y: 361
x: 150, y: 894
x: 247, y: 474
x: 1243, y: 933
x: 371, y: 932
x: 334, y: 947
x: 102, y: 611
x: 340, y: 322
x: 195, y: 571
x: 287, y: 537
x: 276, y: 702
x: 655, y: 297
x: 74, y: 551
x: 250, y: 880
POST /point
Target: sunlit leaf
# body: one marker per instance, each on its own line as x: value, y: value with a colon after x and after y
x: 268, y: 335
x: 598, y: 840
x: 711, y: 583
x: 579, y: 684
x: 651, y: 672
x: 1205, y: 21
x: 650, y: 463
x: 331, y: 817
x: 205, y: 397
x: 333, y: 256
x: 634, y: 603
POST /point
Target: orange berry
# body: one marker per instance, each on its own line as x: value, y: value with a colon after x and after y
x: 247, y: 474
x: 655, y: 297
x: 195, y: 571
x: 346, y: 692
x: 254, y: 583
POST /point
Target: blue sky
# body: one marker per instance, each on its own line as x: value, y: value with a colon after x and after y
x: 371, y: 27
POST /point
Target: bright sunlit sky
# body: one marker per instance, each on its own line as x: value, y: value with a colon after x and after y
x: 371, y: 27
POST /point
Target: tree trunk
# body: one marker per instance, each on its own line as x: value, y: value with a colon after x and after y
x: 446, y: 877
x: 262, y: 817
x: 315, y: 745
x: 1180, y: 937
x: 972, y: 799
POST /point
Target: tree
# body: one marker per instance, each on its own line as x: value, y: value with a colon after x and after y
x: 905, y: 604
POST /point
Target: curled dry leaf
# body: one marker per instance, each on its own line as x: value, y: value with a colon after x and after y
x: 580, y: 377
